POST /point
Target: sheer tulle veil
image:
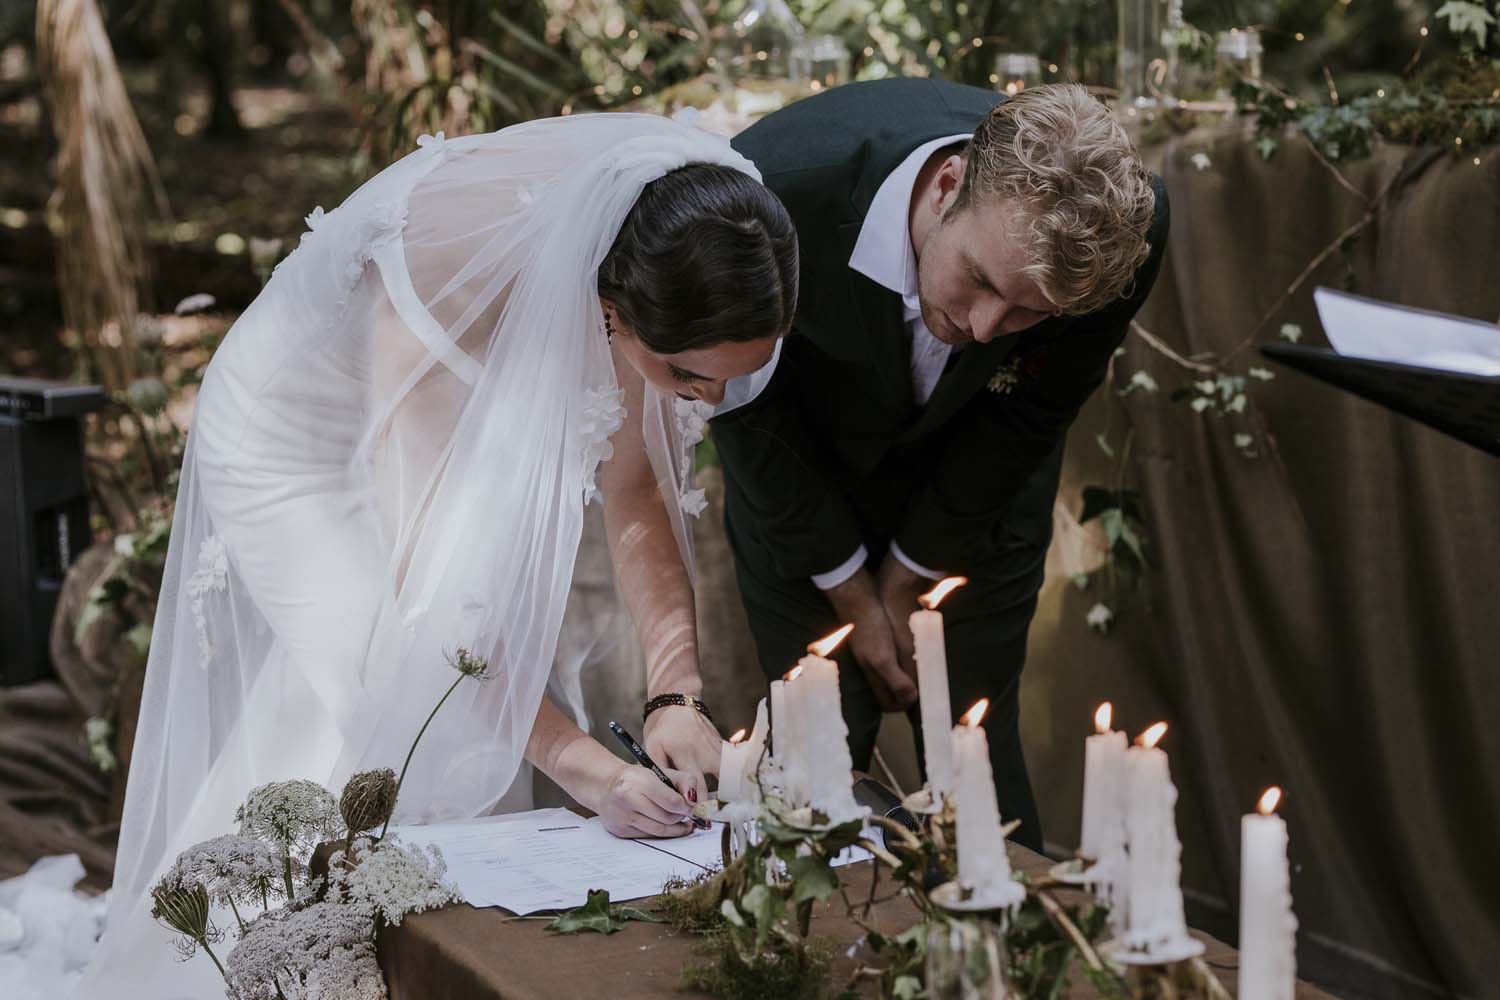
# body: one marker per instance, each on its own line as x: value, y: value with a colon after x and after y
x: 390, y: 459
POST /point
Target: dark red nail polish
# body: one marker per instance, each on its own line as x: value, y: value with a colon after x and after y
x: 692, y: 795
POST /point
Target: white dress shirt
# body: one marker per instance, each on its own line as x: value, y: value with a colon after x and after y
x: 883, y: 253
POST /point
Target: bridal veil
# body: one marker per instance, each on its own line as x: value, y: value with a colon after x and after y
x: 390, y: 458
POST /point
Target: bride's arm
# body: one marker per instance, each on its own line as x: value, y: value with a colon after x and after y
x: 657, y: 591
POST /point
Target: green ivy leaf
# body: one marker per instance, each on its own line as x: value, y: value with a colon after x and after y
x: 1096, y: 500
x: 812, y: 878
x: 1266, y: 146
x: 766, y: 908
x: 596, y: 915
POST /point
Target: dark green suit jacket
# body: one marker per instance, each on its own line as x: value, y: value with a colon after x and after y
x: 835, y: 451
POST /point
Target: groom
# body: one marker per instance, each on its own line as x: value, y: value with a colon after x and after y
x: 969, y: 264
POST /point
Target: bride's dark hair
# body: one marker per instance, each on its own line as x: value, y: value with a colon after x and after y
x: 706, y: 255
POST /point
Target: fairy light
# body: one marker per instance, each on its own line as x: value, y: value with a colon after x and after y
x: 1423, y: 31
x: 1380, y: 92
x: 1300, y: 37
x: 1476, y: 161
x: 1052, y: 68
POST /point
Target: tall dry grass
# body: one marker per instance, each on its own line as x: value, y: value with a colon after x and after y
x: 106, y: 177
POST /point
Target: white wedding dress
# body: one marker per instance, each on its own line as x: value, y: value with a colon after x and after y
x: 390, y: 459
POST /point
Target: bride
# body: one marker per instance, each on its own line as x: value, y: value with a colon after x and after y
x: 390, y: 458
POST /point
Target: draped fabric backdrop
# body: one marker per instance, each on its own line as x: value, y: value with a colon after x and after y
x: 1326, y: 617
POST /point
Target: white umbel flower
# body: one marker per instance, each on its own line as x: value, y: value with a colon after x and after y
x: 391, y: 880
x: 233, y: 868
x: 293, y: 815
x: 321, y: 952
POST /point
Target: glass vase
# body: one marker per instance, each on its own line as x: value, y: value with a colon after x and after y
x: 966, y: 961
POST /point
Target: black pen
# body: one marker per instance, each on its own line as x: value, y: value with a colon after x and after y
x: 643, y: 758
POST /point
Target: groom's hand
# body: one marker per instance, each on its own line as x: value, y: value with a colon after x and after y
x: 873, y: 642
x: 680, y: 737
x: 899, y: 589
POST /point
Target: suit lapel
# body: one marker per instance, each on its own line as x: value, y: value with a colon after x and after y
x: 975, y: 367
x: 878, y: 311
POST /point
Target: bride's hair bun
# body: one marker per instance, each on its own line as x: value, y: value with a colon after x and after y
x: 706, y: 255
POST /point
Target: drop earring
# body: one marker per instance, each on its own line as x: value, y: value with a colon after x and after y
x: 609, y: 330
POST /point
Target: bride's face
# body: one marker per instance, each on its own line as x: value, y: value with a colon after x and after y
x: 700, y: 373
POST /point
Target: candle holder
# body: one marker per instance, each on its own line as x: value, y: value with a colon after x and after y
x: 1079, y: 871
x: 1124, y: 951
x: 922, y: 803
x: 740, y: 828
x: 999, y: 898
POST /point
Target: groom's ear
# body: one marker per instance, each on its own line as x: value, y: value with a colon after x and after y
x: 948, y: 182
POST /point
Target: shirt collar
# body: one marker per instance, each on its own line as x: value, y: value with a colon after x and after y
x: 883, y: 251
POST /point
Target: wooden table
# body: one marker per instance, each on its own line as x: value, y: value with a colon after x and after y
x: 460, y: 953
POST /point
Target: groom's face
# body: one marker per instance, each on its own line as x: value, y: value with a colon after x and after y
x: 969, y: 266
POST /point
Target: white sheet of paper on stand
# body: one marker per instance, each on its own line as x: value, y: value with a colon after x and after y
x: 549, y: 859
x: 1376, y: 331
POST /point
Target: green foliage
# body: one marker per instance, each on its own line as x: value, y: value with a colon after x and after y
x: 1470, y: 21
x: 598, y: 916
x: 796, y: 972
x: 756, y: 926
x: 689, y: 911
x: 1041, y: 958
x: 1119, y: 514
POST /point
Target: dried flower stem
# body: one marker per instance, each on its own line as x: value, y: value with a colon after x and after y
x: 407, y: 763
x: 203, y: 943
x: 1069, y: 928
x: 238, y: 919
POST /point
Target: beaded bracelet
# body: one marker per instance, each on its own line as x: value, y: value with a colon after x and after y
x: 673, y: 698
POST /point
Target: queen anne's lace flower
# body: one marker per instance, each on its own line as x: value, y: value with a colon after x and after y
x: 391, y: 880
x: 212, y: 574
x: 232, y: 868
x: 324, y: 951
x: 292, y: 815
x: 603, y: 413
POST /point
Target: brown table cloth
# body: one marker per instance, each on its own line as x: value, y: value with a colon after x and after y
x: 460, y: 953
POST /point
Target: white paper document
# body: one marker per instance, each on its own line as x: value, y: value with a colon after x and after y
x: 1377, y: 331
x: 549, y: 859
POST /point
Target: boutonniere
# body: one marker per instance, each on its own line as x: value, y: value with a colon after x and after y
x: 1005, y: 379
x: 1021, y: 366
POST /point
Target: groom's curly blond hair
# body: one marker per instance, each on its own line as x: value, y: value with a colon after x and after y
x: 1084, y: 197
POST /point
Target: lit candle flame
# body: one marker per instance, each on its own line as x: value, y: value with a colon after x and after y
x: 1102, y: 717
x: 933, y: 597
x: 1269, y: 801
x: 829, y: 643
x: 793, y: 673
x: 975, y: 715
x: 1152, y: 735
x: 739, y: 735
